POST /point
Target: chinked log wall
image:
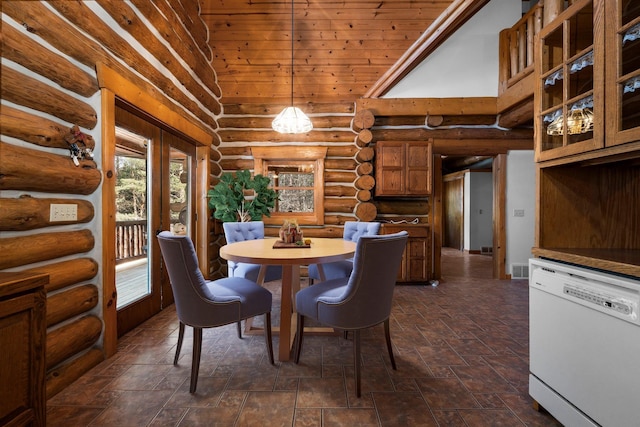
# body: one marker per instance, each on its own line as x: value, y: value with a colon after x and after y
x: 45, y: 92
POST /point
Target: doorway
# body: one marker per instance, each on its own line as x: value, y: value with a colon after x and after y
x: 154, y: 191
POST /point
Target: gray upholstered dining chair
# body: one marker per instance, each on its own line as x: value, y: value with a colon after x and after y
x: 208, y: 304
x: 359, y: 301
x: 239, y: 232
x: 353, y: 230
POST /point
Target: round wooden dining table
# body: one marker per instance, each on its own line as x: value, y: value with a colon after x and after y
x: 262, y: 251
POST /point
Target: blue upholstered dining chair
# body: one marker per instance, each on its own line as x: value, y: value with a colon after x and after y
x: 353, y: 230
x: 208, y: 304
x: 239, y: 232
x: 359, y: 301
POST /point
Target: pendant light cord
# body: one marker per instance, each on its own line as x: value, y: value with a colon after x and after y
x: 292, y: 35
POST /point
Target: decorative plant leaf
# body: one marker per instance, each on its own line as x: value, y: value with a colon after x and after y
x: 229, y: 200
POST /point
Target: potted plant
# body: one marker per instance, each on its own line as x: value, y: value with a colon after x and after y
x: 240, y: 197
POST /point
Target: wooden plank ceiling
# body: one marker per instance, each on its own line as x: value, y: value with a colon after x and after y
x: 341, y: 48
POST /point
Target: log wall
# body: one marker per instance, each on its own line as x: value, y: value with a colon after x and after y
x: 49, y: 85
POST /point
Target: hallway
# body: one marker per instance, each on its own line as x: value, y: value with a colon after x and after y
x: 461, y: 350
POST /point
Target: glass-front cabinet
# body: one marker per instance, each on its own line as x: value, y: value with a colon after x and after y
x: 623, y: 71
x: 570, y: 98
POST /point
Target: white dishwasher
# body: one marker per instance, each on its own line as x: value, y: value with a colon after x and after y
x: 584, y: 344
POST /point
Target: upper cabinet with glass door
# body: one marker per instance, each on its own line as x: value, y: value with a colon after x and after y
x: 570, y: 87
x: 623, y: 71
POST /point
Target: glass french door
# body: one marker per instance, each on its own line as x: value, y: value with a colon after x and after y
x: 154, y: 170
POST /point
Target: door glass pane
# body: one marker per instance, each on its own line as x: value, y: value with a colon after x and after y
x: 179, y: 200
x: 132, y: 217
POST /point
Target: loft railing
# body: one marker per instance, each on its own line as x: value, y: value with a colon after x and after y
x: 517, y: 47
x: 131, y: 240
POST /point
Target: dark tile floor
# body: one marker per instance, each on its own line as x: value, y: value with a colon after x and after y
x: 461, y: 350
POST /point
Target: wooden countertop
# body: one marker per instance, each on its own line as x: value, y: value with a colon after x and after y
x: 12, y: 283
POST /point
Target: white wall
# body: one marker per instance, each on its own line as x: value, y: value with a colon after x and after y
x: 521, y: 195
x: 466, y: 64
x: 478, y: 210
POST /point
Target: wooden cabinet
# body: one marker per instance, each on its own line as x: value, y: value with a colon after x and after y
x: 569, y: 67
x: 403, y: 168
x: 416, y: 259
x: 589, y: 183
x: 587, y: 94
x: 622, y: 35
x: 22, y: 342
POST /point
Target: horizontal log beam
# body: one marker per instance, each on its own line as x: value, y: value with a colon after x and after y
x: 35, y: 57
x: 428, y: 106
x: 66, y: 273
x: 453, y: 133
x: 73, y: 302
x: 34, y: 170
x: 29, y: 92
x: 35, y: 129
x: 23, y: 250
x: 63, y: 375
x: 479, y: 147
x: 28, y: 213
x: 71, y: 339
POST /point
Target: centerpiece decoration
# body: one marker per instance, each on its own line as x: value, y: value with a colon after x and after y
x: 291, y: 236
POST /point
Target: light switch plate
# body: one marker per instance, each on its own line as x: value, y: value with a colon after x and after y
x: 518, y: 212
x: 62, y: 212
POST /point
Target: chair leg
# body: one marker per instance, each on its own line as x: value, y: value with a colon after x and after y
x: 387, y: 336
x: 195, y: 361
x: 299, y: 331
x: 239, y: 329
x: 179, y: 345
x: 356, y: 359
x: 267, y: 335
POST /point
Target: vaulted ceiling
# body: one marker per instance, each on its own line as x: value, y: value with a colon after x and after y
x: 341, y: 47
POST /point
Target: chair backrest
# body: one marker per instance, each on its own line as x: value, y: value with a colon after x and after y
x: 353, y: 230
x: 241, y: 231
x: 192, y: 296
x: 369, y: 292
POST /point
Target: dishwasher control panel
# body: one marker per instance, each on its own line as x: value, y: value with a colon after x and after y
x: 603, y: 300
x: 610, y: 294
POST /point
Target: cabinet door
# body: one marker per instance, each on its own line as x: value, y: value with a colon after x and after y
x: 623, y: 71
x: 403, y: 168
x: 390, y: 174
x: 418, y: 175
x: 416, y: 259
x: 569, y: 97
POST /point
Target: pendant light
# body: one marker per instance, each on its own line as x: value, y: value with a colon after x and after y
x: 292, y: 119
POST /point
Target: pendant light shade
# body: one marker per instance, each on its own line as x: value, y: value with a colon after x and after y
x: 292, y: 119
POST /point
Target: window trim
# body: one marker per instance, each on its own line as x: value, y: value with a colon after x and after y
x: 263, y: 155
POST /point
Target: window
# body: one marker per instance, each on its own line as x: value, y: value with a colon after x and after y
x: 297, y: 175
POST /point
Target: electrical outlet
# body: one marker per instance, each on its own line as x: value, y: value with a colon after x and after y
x: 59, y: 212
x: 518, y: 212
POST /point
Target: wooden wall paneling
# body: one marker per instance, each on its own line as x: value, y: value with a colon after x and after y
x: 33, y: 170
x: 66, y: 273
x: 436, y: 219
x: 172, y: 30
x: 29, y: 92
x: 35, y: 129
x: 70, y: 303
x: 62, y: 375
x: 499, y: 216
x: 37, y: 58
x: 72, y: 338
x: 129, y: 21
x: 81, y: 16
x: 28, y: 213
x: 187, y: 13
x: 23, y: 250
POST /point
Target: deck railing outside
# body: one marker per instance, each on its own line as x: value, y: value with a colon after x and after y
x: 131, y: 240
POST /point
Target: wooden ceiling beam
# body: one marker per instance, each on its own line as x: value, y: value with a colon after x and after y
x: 443, y: 27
